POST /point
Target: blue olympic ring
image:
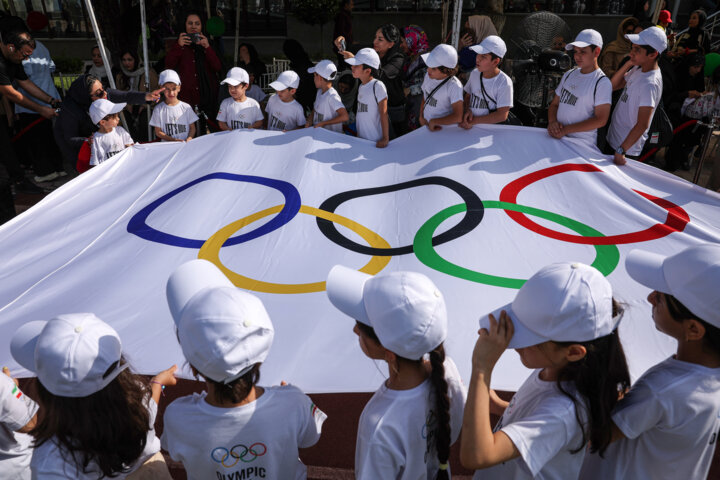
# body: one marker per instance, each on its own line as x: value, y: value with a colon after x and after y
x: 238, y: 457
x: 138, y: 223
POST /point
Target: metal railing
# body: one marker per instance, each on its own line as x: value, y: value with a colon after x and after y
x: 712, y: 26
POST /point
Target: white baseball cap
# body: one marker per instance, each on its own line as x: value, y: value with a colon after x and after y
x: 324, y: 68
x: 169, y: 76
x: 491, y: 44
x: 586, y: 38
x: 692, y: 276
x: 287, y: 79
x: 564, y: 302
x: 101, y: 108
x: 441, y: 56
x: 653, y: 36
x: 223, y: 331
x: 236, y: 76
x: 367, y: 56
x: 406, y: 309
x: 71, y: 354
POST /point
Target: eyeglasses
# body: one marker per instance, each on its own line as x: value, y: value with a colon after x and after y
x: 98, y: 93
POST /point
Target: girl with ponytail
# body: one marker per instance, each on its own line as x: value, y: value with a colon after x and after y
x: 407, y: 427
x: 563, y: 323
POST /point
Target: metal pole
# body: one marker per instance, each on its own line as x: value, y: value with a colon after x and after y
x: 237, y: 32
x: 707, y: 136
x: 457, y: 18
x: 146, y: 62
x: 103, y: 53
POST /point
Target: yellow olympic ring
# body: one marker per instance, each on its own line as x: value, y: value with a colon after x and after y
x: 211, y: 251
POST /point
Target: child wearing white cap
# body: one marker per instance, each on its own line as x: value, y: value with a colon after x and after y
x: 110, y: 139
x: 328, y: 110
x: 407, y: 427
x: 97, y: 416
x: 489, y: 91
x: 173, y: 119
x: 584, y: 95
x: 239, y: 111
x: 283, y: 111
x: 18, y: 416
x: 442, y: 91
x: 642, y: 82
x: 235, y: 429
x: 668, y: 424
x: 562, y: 323
x: 372, y: 116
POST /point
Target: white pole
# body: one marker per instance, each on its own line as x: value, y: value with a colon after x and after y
x: 237, y: 32
x: 457, y: 18
x: 146, y: 62
x: 101, y: 46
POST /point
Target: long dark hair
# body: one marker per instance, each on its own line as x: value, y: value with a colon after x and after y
x: 598, y: 378
x: 108, y: 427
x: 237, y: 390
x: 442, y: 401
x: 679, y: 312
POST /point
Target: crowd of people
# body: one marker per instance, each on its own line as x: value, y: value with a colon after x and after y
x: 576, y: 416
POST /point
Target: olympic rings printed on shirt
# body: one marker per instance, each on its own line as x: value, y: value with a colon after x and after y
x: 252, y: 450
x: 473, y: 214
x: 606, y: 256
x: 211, y: 251
x: 138, y: 223
x: 676, y: 220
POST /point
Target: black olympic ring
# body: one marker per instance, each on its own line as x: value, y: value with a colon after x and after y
x: 472, y: 218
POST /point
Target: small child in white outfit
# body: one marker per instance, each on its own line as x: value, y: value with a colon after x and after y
x: 174, y: 120
x: 239, y: 111
x: 283, y: 111
x: 442, y: 91
x: 328, y: 110
x: 110, y: 139
x: 372, y: 116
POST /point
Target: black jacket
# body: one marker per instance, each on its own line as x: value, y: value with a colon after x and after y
x: 391, y: 74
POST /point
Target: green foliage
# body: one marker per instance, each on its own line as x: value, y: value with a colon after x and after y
x: 68, y: 65
x: 315, y: 12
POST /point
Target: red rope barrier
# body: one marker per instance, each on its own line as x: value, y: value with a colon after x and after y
x: 27, y: 129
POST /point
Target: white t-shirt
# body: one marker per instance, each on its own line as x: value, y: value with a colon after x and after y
x: 540, y: 421
x: 16, y: 410
x: 396, y: 438
x: 641, y: 90
x: 368, y: 115
x: 50, y: 463
x: 239, y: 115
x: 671, y: 418
x: 440, y: 104
x: 579, y: 93
x: 174, y: 120
x: 326, y: 106
x: 257, y: 440
x: 256, y: 93
x: 498, y: 93
x: 284, y: 115
x: 105, y: 145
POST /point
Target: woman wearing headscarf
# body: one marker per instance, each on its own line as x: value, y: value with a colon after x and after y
x: 477, y: 29
x: 132, y: 78
x: 615, y: 51
x: 387, y: 43
x: 695, y: 40
x: 97, y: 68
x: 250, y: 60
x: 299, y: 63
x: 415, y: 44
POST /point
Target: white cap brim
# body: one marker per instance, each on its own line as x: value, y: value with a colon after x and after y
x: 189, y: 279
x: 570, y: 46
x: 231, y: 81
x: 23, y: 343
x: 647, y: 268
x: 425, y: 57
x: 279, y: 86
x: 479, y: 49
x: 635, y: 38
x: 117, y: 108
x: 345, y: 288
x: 522, y: 336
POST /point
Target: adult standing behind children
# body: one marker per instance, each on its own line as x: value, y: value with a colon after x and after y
x: 584, y: 95
x: 642, y: 82
x: 239, y: 111
x: 442, y: 91
x: 489, y: 91
x: 173, y: 119
x: 328, y: 110
x: 236, y: 428
x: 371, y: 117
x: 619, y: 48
x: 283, y: 111
x: 667, y: 425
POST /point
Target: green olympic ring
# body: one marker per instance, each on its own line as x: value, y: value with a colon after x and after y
x: 606, y: 256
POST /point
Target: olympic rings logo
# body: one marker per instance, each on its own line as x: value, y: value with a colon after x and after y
x: 607, y: 255
x: 222, y: 454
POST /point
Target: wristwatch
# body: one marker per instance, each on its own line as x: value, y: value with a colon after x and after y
x: 620, y: 150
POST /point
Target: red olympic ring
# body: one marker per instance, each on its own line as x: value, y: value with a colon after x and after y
x: 676, y: 220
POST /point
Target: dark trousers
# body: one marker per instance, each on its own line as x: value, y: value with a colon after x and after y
x: 8, y: 163
x: 37, y: 146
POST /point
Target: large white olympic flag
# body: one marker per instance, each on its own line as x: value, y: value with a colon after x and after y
x: 477, y: 211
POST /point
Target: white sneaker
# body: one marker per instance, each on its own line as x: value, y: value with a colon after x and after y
x: 61, y: 173
x: 46, y: 178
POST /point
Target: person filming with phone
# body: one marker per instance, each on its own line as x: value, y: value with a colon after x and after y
x: 197, y: 64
